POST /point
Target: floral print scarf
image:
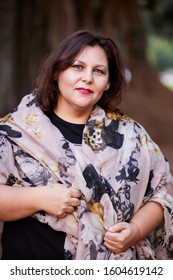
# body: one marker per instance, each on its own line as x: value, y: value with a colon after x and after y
x: 118, y: 168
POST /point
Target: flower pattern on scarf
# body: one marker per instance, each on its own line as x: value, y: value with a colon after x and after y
x: 118, y: 168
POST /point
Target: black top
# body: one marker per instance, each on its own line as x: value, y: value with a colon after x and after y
x: 71, y: 131
x: 28, y: 239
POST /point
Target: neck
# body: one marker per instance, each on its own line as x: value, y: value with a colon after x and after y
x: 77, y: 116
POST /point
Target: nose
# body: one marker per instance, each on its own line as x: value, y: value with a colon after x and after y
x: 87, y: 77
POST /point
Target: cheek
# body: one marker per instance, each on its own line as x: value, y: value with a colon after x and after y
x: 103, y: 85
x: 62, y: 82
x: 66, y: 79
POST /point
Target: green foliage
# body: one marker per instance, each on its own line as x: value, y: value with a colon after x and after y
x: 160, y: 52
x: 149, y: 4
x: 170, y: 87
x: 159, y: 13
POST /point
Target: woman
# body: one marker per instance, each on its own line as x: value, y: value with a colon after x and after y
x: 86, y: 178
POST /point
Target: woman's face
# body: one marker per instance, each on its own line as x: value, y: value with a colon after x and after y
x: 83, y: 83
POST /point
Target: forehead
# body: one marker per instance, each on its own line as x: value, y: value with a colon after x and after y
x: 93, y: 54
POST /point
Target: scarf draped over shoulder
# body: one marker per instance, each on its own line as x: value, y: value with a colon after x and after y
x: 118, y: 168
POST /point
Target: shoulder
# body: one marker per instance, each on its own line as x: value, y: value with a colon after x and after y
x: 27, y: 101
x: 121, y: 123
x: 134, y: 132
x: 26, y: 107
x: 127, y: 123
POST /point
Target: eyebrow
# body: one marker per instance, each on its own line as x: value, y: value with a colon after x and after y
x: 97, y: 65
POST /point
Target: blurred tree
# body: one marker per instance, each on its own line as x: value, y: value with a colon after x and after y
x: 7, y: 48
x: 31, y: 28
x: 160, y: 52
x: 158, y: 21
x: 159, y: 15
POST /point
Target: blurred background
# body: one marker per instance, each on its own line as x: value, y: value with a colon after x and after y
x: 143, y: 30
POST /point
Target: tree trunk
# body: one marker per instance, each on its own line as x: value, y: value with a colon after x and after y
x: 30, y: 30
x: 147, y: 100
x: 7, y: 39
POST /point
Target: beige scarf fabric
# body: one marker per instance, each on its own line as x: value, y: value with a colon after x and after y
x: 117, y: 168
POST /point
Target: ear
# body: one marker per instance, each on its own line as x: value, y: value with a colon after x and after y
x: 107, y: 86
x: 55, y: 76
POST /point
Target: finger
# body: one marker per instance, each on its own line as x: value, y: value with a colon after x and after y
x: 75, y: 192
x: 62, y: 215
x: 112, y: 235
x: 74, y: 202
x: 111, y: 241
x: 118, y: 227
x: 114, y: 248
x: 70, y: 209
x: 114, y: 238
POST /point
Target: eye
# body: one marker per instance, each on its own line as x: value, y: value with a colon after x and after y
x: 77, y: 66
x: 99, y: 71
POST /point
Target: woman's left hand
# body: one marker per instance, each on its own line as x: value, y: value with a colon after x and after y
x: 120, y: 237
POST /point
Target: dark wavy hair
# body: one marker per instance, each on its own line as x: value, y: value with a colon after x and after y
x: 63, y: 57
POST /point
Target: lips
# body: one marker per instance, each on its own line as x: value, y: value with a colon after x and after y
x: 84, y: 90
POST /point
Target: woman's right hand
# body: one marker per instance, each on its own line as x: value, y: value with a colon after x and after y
x: 58, y: 200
